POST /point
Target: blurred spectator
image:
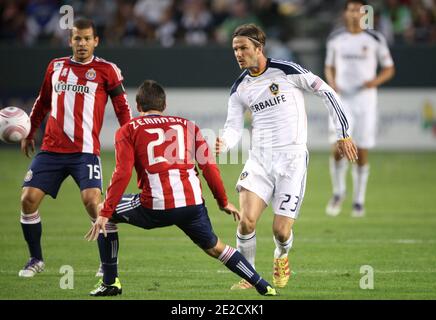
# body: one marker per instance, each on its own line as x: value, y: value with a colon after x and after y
x: 268, y: 15
x: 12, y: 21
x: 240, y: 13
x: 400, y: 17
x: 199, y: 22
x: 196, y: 22
x: 123, y: 28
x: 42, y: 20
x: 150, y: 14
x: 99, y: 11
x: 220, y: 11
x: 167, y: 32
x: 423, y: 29
x: 383, y: 24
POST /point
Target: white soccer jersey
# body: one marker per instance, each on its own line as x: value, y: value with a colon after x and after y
x: 275, y: 99
x: 355, y: 57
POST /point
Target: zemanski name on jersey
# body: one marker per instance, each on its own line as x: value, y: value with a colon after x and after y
x: 138, y: 122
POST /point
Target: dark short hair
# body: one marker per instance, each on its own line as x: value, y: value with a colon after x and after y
x: 151, y: 96
x: 252, y: 32
x: 84, y: 23
x: 362, y: 2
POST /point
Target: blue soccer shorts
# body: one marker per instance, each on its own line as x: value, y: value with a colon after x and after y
x: 48, y: 170
x: 192, y: 220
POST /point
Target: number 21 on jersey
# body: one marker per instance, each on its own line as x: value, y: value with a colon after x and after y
x: 161, y: 139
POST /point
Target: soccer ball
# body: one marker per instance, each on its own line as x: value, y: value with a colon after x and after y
x: 14, y: 124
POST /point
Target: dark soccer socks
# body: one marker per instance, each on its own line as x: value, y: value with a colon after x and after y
x: 236, y: 262
x: 32, y: 230
x: 108, y: 248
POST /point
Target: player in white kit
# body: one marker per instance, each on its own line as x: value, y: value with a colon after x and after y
x: 353, y: 55
x: 276, y: 169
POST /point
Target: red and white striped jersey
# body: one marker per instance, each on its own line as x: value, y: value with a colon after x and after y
x: 164, y: 151
x: 76, y: 94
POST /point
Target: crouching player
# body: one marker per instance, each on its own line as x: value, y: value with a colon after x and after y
x: 163, y: 150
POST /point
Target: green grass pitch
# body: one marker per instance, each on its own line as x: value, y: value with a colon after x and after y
x: 397, y: 239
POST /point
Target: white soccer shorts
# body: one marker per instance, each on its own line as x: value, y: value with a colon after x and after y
x: 281, y: 181
x: 362, y: 108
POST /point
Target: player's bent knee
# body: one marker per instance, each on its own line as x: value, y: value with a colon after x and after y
x: 282, y: 232
x: 30, y: 200
x: 247, y: 225
x: 216, y: 251
x: 282, y: 236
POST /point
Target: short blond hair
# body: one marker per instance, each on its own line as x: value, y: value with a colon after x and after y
x: 252, y: 32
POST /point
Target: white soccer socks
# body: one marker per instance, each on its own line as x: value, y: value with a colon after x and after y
x: 246, y: 245
x: 338, y: 171
x: 360, y: 179
x: 282, y: 248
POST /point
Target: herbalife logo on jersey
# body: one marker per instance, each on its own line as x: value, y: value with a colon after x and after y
x: 268, y: 103
x: 61, y: 86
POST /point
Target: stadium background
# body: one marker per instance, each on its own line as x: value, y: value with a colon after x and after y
x: 185, y: 45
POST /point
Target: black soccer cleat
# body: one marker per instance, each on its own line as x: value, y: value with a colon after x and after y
x: 104, y: 290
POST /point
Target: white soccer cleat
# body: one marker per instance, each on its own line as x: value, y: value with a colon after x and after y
x: 358, y: 211
x: 32, y: 267
x: 334, y: 206
x: 99, y: 271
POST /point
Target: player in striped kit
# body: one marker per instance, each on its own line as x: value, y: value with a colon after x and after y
x: 164, y: 150
x: 272, y: 90
x: 74, y: 93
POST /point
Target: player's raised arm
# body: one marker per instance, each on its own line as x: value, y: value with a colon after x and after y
x: 40, y: 109
x: 312, y: 83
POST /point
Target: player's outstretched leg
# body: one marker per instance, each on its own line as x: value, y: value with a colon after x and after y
x: 236, y: 262
x: 246, y: 244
